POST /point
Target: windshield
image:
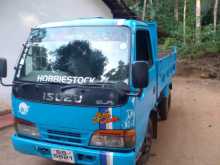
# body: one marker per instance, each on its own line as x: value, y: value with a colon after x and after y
x: 76, y: 55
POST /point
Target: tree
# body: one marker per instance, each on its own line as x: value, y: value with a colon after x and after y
x: 78, y: 58
x: 151, y: 10
x: 184, y: 22
x: 119, y: 73
x: 144, y: 9
x: 215, y: 14
x: 198, y: 20
x: 176, y: 10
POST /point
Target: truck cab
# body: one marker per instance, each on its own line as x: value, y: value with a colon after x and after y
x: 90, y: 91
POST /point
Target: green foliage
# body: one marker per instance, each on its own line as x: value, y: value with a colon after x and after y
x: 93, y: 60
x: 163, y: 12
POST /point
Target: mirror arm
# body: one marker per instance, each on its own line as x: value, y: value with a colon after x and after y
x: 138, y: 94
x: 6, y: 85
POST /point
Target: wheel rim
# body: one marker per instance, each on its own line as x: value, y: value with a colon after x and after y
x: 144, y: 156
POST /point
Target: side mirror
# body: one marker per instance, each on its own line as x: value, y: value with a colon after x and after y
x: 3, y: 68
x: 140, y: 74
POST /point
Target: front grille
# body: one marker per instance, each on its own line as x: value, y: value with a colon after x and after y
x: 64, y: 137
x: 64, y: 133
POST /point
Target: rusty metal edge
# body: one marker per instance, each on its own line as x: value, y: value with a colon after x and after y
x: 5, y: 112
x: 6, y: 126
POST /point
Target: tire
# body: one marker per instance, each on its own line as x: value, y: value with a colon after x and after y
x: 154, y: 118
x: 164, y: 107
x: 146, y: 147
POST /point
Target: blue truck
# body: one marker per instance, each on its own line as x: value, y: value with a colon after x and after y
x: 90, y: 91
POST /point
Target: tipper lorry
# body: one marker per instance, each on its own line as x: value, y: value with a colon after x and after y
x: 90, y: 91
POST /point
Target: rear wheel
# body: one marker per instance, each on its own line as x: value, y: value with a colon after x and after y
x: 146, y: 147
x: 164, y: 107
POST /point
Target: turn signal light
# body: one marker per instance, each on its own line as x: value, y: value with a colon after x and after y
x: 114, y: 138
x: 26, y: 128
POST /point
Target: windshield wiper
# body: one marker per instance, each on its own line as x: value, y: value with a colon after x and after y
x: 121, y: 86
x: 85, y: 85
x: 118, y: 86
x: 125, y: 88
x: 24, y: 83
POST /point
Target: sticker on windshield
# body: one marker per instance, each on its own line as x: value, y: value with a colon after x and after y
x: 65, y: 79
x: 120, y: 22
x: 123, y: 46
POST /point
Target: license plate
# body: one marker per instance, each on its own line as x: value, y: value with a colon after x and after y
x: 62, y: 155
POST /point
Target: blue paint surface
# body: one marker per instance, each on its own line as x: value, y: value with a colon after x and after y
x: 77, y: 121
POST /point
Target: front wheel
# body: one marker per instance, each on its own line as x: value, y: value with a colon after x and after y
x: 146, y: 147
x: 164, y: 107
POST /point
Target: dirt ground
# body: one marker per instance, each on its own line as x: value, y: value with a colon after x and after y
x: 190, y: 136
x: 206, y: 67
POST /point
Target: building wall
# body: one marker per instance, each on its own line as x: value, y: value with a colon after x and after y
x: 18, y: 16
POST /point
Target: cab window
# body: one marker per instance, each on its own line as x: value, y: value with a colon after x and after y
x: 143, y: 46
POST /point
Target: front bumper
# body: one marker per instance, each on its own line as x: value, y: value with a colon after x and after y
x: 82, y: 155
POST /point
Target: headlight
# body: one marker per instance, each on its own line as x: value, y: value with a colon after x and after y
x: 113, y: 138
x: 25, y: 128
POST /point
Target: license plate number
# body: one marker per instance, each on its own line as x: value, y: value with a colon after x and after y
x: 62, y: 155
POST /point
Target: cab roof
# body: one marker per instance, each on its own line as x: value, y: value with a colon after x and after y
x: 94, y: 22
